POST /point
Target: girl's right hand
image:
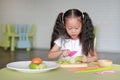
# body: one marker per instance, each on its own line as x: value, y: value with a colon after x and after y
x: 65, y: 52
x: 84, y: 59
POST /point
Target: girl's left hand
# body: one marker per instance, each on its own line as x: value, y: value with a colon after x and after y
x: 84, y: 59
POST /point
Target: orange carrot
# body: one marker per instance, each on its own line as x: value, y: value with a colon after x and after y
x: 84, y: 68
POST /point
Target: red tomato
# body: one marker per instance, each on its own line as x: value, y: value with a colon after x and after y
x: 37, y: 60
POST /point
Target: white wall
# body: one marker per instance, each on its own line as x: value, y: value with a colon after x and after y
x: 104, y: 13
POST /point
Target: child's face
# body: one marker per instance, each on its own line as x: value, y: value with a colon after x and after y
x: 73, y: 26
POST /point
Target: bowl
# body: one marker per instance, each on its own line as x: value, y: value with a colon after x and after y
x: 104, y: 63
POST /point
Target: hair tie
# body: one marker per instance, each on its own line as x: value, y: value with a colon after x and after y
x: 83, y: 14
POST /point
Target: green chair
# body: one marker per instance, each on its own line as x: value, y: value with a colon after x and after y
x: 32, y: 30
x: 32, y: 33
x: 5, y: 42
x: 95, y: 40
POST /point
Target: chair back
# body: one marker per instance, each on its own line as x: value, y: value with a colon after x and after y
x: 95, y: 40
x: 32, y: 30
x: 3, y: 28
x: 26, y: 28
x: 17, y: 28
x: 24, y: 41
x: 5, y: 32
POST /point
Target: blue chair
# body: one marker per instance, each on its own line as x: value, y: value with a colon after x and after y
x: 17, y: 28
x: 26, y: 28
x: 23, y: 41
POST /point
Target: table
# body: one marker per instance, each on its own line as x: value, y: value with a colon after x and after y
x: 58, y: 74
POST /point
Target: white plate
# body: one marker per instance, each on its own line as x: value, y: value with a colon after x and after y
x: 23, y: 66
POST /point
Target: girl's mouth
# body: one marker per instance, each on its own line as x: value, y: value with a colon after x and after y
x: 74, y: 35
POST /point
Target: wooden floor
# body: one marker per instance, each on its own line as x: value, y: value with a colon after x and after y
x: 23, y: 55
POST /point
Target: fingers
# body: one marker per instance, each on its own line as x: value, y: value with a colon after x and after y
x: 84, y: 59
x: 65, y: 52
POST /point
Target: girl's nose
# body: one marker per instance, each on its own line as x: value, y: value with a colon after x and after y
x: 73, y: 30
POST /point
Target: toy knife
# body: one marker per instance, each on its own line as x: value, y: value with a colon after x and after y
x: 72, y: 53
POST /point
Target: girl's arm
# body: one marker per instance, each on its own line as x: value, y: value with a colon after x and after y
x: 91, y: 58
x: 55, y: 52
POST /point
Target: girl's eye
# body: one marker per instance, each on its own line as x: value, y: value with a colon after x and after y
x: 69, y: 28
x: 76, y: 28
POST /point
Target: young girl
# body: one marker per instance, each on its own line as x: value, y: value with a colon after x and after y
x: 73, y: 32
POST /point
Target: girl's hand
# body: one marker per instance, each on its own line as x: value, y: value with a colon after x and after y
x: 65, y: 52
x: 84, y: 59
